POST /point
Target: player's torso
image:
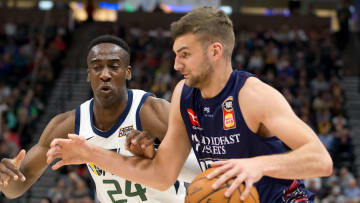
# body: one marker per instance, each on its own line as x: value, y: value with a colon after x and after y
x: 111, y: 188
x: 216, y: 126
x: 218, y: 131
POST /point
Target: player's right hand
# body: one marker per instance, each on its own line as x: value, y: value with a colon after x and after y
x: 140, y: 143
x: 9, y: 168
x: 74, y: 150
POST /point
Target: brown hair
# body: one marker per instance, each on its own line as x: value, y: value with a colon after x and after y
x: 209, y: 25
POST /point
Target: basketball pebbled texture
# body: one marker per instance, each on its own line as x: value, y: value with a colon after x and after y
x: 200, y: 191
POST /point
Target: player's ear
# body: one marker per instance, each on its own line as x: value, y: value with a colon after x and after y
x: 128, y: 73
x: 217, y: 49
x: 215, y: 52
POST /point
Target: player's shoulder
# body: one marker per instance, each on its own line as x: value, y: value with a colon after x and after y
x: 59, y: 127
x: 257, y: 96
x: 254, y: 89
x: 66, y: 117
x: 153, y: 101
x: 178, y: 88
x: 253, y: 83
x: 62, y: 123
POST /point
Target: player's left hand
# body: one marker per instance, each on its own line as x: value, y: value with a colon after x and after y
x: 244, y: 170
x: 140, y: 143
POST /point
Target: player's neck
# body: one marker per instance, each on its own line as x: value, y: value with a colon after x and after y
x: 105, y: 118
x: 217, y: 80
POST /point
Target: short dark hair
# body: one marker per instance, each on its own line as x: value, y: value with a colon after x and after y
x: 209, y: 25
x: 109, y: 39
x: 113, y: 40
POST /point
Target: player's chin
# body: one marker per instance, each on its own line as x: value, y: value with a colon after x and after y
x: 105, y: 96
x: 191, y: 83
x: 188, y: 82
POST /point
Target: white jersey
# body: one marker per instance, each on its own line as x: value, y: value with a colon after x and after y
x: 111, y: 188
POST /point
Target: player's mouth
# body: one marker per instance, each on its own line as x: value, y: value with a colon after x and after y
x: 105, y: 89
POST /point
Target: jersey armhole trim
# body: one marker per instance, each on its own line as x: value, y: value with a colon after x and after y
x: 77, y: 120
x: 143, y: 99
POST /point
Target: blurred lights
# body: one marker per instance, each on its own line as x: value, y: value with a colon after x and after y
x: 45, y: 5
x: 277, y: 12
x: 79, y: 5
x: 105, y: 15
x: 178, y: 8
x: 227, y: 9
x: 165, y: 8
x: 79, y: 11
x: 128, y: 7
x: 328, y: 13
x: 109, y: 6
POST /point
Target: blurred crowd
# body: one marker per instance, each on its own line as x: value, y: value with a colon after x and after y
x: 30, y: 57
x: 306, y: 66
x: 30, y: 61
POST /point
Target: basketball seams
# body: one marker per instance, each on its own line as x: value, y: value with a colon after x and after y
x: 194, y: 181
x: 238, y: 189
x: 252, y: 196
x: 200, y: 190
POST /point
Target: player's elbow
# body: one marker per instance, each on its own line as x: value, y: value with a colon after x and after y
x: 327, y: 164
x: 163, y: 187
x: 166, y: 183
x: 324, y: 163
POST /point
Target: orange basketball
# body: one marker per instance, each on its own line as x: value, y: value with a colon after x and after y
x: 200, y: 191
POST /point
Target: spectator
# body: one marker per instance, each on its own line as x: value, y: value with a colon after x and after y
x: 352, y: 191
x: 335, y: 196
x: 59, y: 192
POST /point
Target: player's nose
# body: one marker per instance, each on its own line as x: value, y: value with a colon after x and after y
x: 105, y: 75
x: 178, y: 65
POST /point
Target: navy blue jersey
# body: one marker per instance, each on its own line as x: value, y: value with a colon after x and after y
x: 217, y: 131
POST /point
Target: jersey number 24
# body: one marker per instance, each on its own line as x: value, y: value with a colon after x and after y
x: 140, y: 191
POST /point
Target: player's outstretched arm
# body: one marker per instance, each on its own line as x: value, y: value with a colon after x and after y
x: 266, y: 110
x: 18, y: 174
x: 160, y: 172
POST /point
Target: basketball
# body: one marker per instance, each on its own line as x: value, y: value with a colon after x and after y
x: 200, y: 191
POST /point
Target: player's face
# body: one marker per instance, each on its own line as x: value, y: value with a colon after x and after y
x: 107, y: 72
x: 192, y: 61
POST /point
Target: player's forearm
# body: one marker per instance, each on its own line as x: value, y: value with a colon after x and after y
x: 310, y: 160
x: 149, y: 172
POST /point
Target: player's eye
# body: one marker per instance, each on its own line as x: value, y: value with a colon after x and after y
x: 96, y: 67
x: 185, y: 55
x: 114, y: 66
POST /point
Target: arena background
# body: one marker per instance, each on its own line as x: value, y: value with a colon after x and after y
x: 308, y: 50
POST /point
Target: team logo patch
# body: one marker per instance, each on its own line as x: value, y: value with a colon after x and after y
x: 96, y: 170
x: 228, y: 114
x: 125, y: 131
x: 193, y: 118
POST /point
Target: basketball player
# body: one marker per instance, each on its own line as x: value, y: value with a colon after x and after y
x: 231, y: 119
x: 103, y: 121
